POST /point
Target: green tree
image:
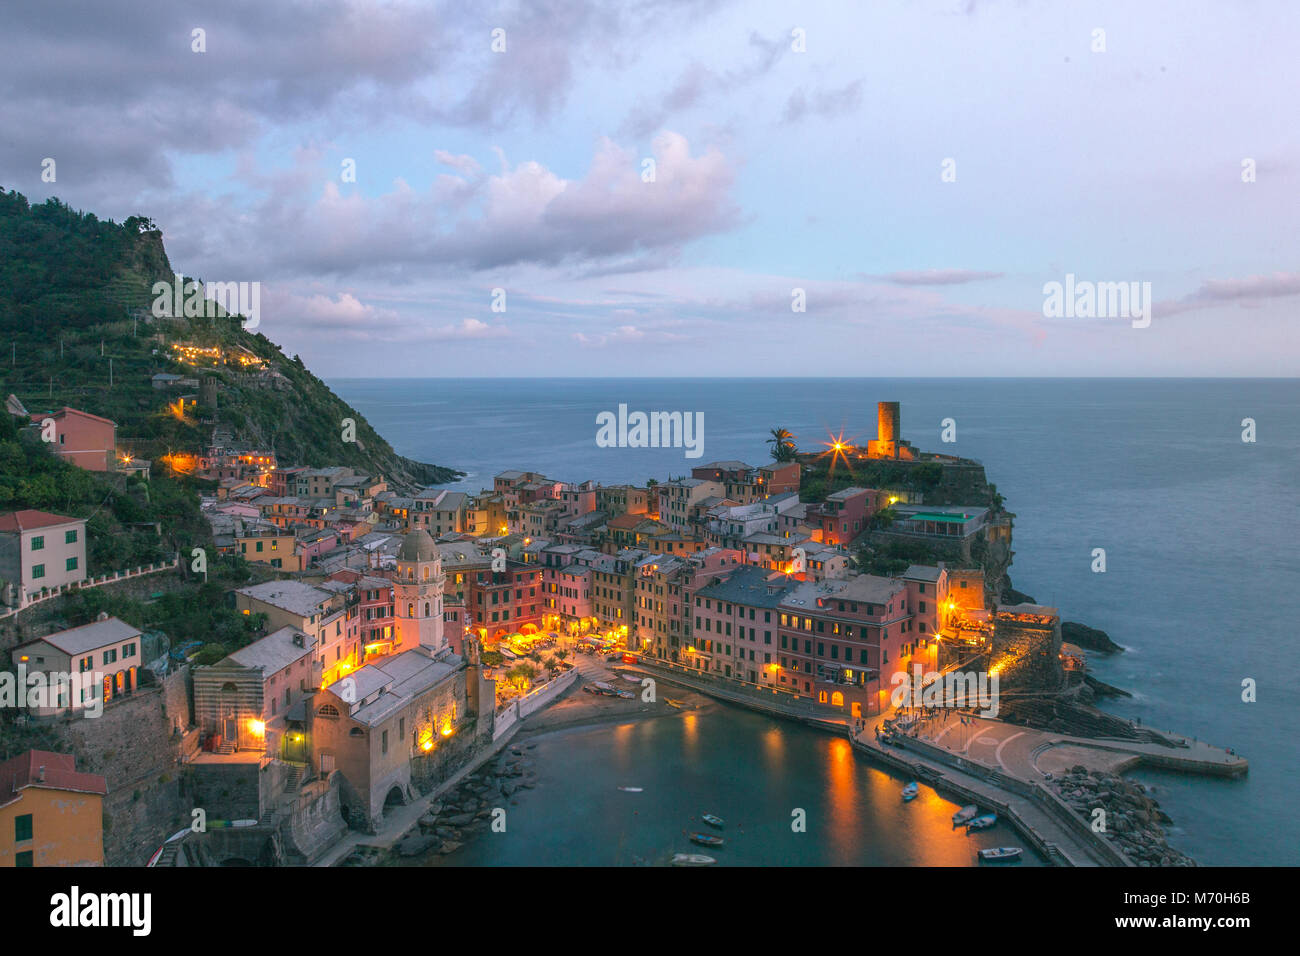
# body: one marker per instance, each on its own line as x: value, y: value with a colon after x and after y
x: 783, y: 447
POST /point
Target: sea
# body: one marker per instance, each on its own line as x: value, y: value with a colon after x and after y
x: 1188, y: 486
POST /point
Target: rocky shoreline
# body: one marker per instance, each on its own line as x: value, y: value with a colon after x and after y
x: 1133, y: 818
x: 459, y: 814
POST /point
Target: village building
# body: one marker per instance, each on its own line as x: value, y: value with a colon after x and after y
x: 40, y: 550
x: 81, y: 438
x: 108, y: 650
x: 242, y: 702
x: 51, y: 814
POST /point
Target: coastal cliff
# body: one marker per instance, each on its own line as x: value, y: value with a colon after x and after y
x: 77, y: 303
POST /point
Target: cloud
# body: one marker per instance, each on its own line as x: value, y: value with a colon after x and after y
x: 627, y: 335
x: 114, y: 95
x: 699, y: 83
x: 467, y: 329
x: 825, y: 103
x: 1250, y: 292
x: 526, y: 214
x: 939, y: 277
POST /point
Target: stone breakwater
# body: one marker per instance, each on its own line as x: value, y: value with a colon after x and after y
x: 1133, y: 818
x: 461, y: 813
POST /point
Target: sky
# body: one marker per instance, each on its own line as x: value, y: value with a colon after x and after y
x: 693, y: 187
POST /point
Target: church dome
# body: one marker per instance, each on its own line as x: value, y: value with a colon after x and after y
x: 418, y: 546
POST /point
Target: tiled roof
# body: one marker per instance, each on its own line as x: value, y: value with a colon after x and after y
x: 88, y: 637
x: 29, y: 520
x: 60, y: 773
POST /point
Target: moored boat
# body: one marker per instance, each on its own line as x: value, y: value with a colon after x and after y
x: 982, y: 822
x: 692, y: 859
x: 911, y: 790
x: 713, y: 820
x: 630, y: 789
x: 1001, y: 853
x: 964, y: 814
x: 706, y: 839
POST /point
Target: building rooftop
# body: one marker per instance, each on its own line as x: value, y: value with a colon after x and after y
x: 29, y: 520
x: 750, y: 586
x: 295, y: 597
x: 392, y: 682
x: 89, y: 637
x: 274, y: 652
x: 43, y: 768
x: 922, y: 572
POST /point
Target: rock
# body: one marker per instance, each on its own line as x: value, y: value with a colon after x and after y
x: 429, y: 820
x: 451, y: 846
x: 415, y: 845
x: 460, y: 819
x: 1089, y: 638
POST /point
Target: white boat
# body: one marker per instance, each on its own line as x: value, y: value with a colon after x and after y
x: 982, y: 822
x: 692, y: 859
x: 1001, y: 853
x: 964, y: 814
x: 911, y: 790
x: 630, y: 789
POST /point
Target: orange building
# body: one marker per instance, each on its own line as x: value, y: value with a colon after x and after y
x: 50, y: 815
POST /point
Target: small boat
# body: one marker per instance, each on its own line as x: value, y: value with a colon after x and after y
x: 626, y: 694
x: 706, y: 839
x: 634, y: 678
x: 982, y: 822
x: 692, y: 859
x: 1001, y: 853
x: 964, y: 814
x: 713, y: 820
x: 590, y: 690
x: 673, y: 703
x: 911, y: 790
x: 630, y: 789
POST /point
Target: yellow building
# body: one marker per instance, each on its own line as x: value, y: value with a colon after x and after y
x: 50, y: 815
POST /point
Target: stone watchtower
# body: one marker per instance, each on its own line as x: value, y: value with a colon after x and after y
x: 888, y: 431
x: 417, y: 594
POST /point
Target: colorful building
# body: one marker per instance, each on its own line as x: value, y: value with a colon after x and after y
x: 50, y: 813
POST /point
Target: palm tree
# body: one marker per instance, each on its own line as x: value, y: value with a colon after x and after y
x: 782, y: 442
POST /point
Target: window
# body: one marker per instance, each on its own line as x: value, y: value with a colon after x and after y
x: 110, y: 657
x: 38, y: 571
x: 22, y: 828
x: 70, y: 564
x: 24, y: 858
x: 384, y: 742
x: 70, y: 537
x: 38, y: 542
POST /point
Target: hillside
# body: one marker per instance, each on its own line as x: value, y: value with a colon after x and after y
x: 75, y: 304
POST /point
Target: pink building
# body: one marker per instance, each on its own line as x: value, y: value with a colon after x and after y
x: 843, y: 515
x: 86, y: 440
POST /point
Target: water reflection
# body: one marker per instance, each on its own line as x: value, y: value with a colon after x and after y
x: 749, y: 769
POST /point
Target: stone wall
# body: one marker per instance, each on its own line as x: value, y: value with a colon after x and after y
x: 227, y: 791
x: 134, y: 746
x: 313, y: 821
